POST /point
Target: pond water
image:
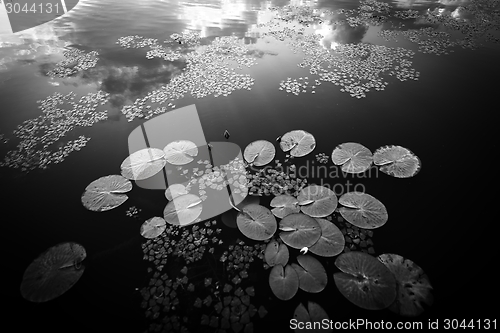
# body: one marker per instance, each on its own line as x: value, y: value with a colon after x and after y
x: 435, y: 103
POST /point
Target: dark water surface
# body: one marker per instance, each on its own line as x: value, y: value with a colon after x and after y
x: 444, y: 118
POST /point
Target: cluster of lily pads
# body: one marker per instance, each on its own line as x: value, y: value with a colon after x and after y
x: 37, y: 139
x: 305, y: 224
x: 304, y: 211
x: 75, y: 61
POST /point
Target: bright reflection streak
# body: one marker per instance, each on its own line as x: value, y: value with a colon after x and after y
x: 201, y: 17
x: 328, y: 36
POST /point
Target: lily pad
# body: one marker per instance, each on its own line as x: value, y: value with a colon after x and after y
x: 284, y: 205
x: 413, y: 286
x: 229, y: 217
x: 153, y: 227
x: 276, y: 254
x: 174, y: 191
x: 365, y: 281
x: 256, y: 222
x: 298, y: 142
x: 331, y: 242
x: 180, y: 152
x: 312, y: 275
x: 363, y: 210
x: 353, y: 157
x: 259, y: 152
x: 143, y: 164
x: 299, y: 230
x: 317, y: 201
x: 53, y: 273
x: 397, y: 161
x: 310, y: 318
x: 284, y: 282
x: 183, y: 210
x: 105, y: 193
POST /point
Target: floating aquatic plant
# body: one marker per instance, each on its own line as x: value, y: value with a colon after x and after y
x: 175, y: 190
x: 317, y: 201
x: 259, y: 152
x: 153, y: 227
x: 322, y: 158
x: 39, y: 135
x: 106, y: 193
x: 365, y: 281
x: 256, y: 222
x: 299, y: 143
x: 76, y: 61
x: 363, y: 210
x: 180, y: 152
x: 53, y: 273
x: 276, y: 253
x: 331, y: 241
x: 353, y: 157
x: 284, y: 205
x: 299, y: 230
x: 312, y: 275
x: 310, y: 317
x: 143, y: 164
x: 183, y: 210
x: 413, y: 286
x: 284, y: 282
x: 396, y: 161
x: 356, y: 239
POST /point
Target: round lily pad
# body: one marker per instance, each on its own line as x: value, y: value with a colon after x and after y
x: 183, y: 210
x: 310, y: 317
x: 153, y: 227
x: 174, y: 191
x: 229, y: 217
x: 413, y: 286
x: 299, y: 143
x: 353, y: 157
x: 106, y: 193
x: 180, y: 152
x: 312, y: 275
x: 317, y: 201
x: 53, y: 273
x: 256, y: 222
x: 397, y: 161
x: 143, y: 164
x: 299, y: 230
x: 259, y: 152
x: 284, y: 205
x: 276, y: 254
x: 363, y: 210
x: 331, y: 241
x: 365, y: 281
x: 284, y: 282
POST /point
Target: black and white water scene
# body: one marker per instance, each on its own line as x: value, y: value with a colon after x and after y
x: 249, y: 165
